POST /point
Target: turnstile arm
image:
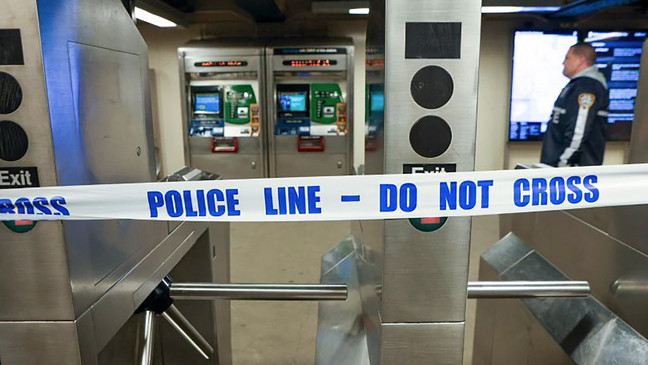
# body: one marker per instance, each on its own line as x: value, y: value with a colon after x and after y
x: 318, y: 292
x: 148, y: 333
x: 301, y: 292
x: 527, y: 289
x: 187, y: 331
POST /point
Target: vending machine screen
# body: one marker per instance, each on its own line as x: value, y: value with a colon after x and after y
x: 377, y: 101
x: 207, y: 103
x: 293, y: 101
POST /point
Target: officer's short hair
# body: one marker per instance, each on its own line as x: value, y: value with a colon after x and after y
x: 586, y: 50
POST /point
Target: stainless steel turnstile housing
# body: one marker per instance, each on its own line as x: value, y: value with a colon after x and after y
x: 412, y: 275
x: 75, y: 109
x: 605, y: 246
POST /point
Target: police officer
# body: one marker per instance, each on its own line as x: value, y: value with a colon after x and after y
x: 576, y: 132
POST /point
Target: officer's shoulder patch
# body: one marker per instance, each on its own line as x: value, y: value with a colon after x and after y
x: 586, y: 100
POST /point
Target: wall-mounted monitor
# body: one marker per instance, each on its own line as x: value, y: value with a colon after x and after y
x: 619, y: 57
x: 537, y: 80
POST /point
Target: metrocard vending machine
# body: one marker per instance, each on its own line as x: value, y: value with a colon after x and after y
x: 309, y: 108
x: 222, y: 108
x: 374, y: 111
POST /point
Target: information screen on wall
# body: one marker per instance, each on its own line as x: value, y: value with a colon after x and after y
x: 619, y: 57
x: 537, y: 80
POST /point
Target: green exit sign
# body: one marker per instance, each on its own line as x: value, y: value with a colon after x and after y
x: 20, y: 226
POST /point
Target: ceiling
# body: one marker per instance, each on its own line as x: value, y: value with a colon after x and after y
x: 186, y: 12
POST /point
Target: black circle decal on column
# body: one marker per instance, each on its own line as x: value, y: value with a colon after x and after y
x: 10, y: 93
x: 430, y: 136
x: 13, y: 141
x: 431, y: 87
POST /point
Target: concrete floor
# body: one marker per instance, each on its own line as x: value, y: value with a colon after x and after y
x: 283, y: 333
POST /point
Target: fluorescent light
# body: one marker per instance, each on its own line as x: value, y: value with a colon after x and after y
x: 359, y: 11
x: 518, y: 9
x: 540, y: 9
x: 151, y: 18
x: 500, y: 9
x: 340, y: 7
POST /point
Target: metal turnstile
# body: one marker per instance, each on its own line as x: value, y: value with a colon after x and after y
x: 413, y: 274
x: 605, y: 246
x: 222, y: 88
x: 309, y: 102
x: 408, y: 279
x: 74, y: 110
x: 419, y: 267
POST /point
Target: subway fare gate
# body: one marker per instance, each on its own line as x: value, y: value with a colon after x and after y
x: 74, y: 110
x: 411, y: 275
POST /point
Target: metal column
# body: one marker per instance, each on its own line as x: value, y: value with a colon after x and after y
x: 431, y: 57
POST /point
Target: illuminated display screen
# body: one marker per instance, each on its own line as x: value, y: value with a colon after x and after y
x: 221, y: 64
x: 325, y: 50
x: 537, y: 78
x: 310, y: 63
x: 207, y: 103
x: 537, y: 81
x: 377, y: 101
x: 619, y: 58
x: 293, y: 101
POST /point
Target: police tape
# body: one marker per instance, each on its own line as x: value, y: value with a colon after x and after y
x: 337, y: 198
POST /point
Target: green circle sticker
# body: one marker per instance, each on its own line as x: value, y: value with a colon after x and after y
x: 428, y: 224
x: 20, y: 226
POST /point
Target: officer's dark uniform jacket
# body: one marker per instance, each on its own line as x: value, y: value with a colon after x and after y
x: 576, y: 132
